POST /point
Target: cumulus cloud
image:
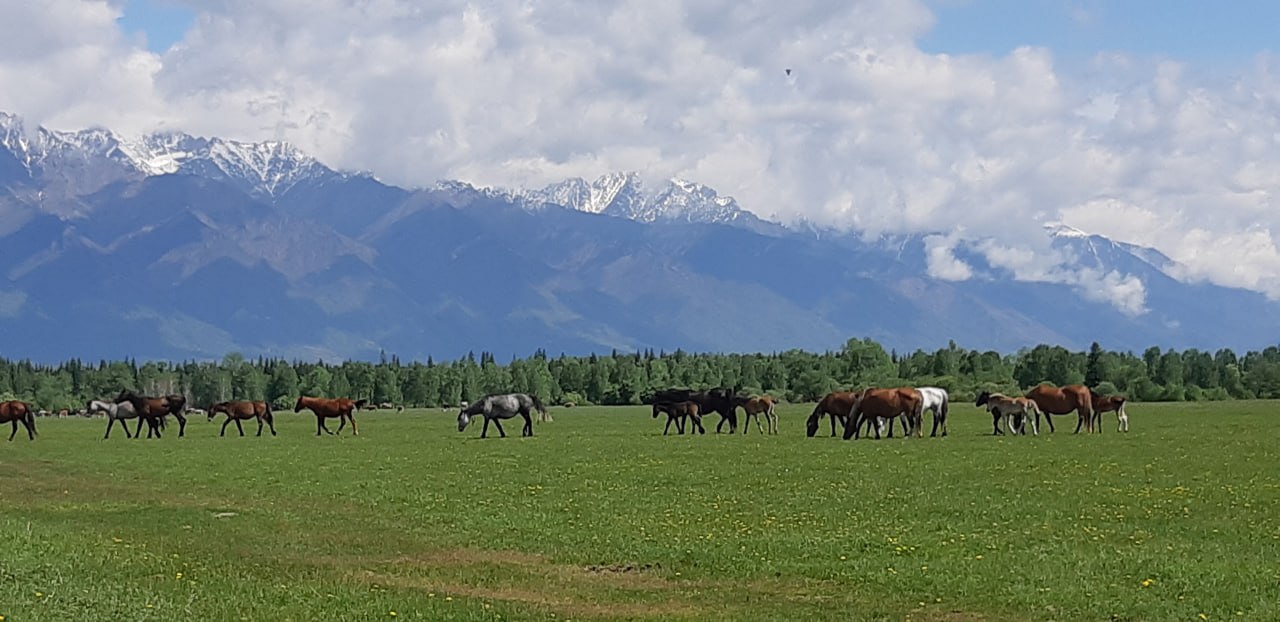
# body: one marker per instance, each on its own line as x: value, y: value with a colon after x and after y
x: 868, y: 131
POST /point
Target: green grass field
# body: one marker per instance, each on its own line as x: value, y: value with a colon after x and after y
x: 601, y: 517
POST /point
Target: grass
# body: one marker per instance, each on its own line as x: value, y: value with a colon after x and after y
x: 600, y: 517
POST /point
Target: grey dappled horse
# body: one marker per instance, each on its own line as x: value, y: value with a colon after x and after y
x: 497, y: 407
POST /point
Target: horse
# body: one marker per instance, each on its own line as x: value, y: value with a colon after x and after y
x: 754, y: 407
x: 497, y: 407
x: 837, y: 404
x: 718, y: 400
x: 936, y: 400
x: 121, y: 412
x: 888, y: 404
x: 13, y: 411
x: 1061, y: 401
x: 344, y: 408
x: 236, y: 411
x: 157, y: 408
x: 1003, y: 406
x: 1107, y: 404
x: 678, y: 412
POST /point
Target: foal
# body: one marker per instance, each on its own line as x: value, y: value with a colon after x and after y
x: 754, y: 407
x: 677, y: 412
x: 1107, y: 404
x: 1008, y: 407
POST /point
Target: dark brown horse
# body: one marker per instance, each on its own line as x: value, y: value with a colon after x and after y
x: 343, y: 408
x: 153, y: 411
x: 888, y: 404
x: 678, y: 412
x: 1062, y: 401
x: 1107, y: 404
x: 13, y: 411
x: 718, y: 400
x: 837, y: 404
x: 237, y: 411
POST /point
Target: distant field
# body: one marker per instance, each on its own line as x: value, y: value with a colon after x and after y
x: 600, y: 517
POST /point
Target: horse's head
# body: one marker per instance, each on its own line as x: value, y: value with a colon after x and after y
x: 126, y: 395
x: 464, y: 419
x: 656, y: 410
x: 215, y: 408
x: 983, y: 398
x: 298, y: 406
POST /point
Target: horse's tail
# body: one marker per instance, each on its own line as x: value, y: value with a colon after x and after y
x: 360, y: 404
x: 542, y: 410
x: 945, y: 408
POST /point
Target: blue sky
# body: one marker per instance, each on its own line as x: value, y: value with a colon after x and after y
x: 163, y: 23
x: 1197, y: 31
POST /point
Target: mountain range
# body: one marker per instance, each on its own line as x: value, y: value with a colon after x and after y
x: 170, y: 246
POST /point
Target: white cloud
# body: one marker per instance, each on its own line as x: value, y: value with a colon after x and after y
x: 868, y: 131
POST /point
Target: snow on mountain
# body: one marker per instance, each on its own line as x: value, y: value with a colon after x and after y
x: 624, y: 195
x: 265, y: 169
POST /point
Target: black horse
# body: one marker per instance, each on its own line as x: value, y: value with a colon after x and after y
x: 719, y: 400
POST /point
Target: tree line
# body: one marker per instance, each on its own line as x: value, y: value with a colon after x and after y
x: 630, y: 378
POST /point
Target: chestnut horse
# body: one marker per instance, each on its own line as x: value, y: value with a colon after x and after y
x: 885, y: 404
x: 14, y: 411
x: 236, y: 411
x: 677, y: 412
x: 343, y: 408
x: 1108, y: 404
x: 1062, y: 401
x: 754, y: 407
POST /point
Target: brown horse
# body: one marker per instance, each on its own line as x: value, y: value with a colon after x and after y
x: 236, y: 411
x: 754, y: 407
x: 342, y: 407
x: 153, y: 411
x: 677, y: 412
x: 885, y: 404
x: 1107, y: 404
x: 1062, y: 401
x: 14, y: 411
x: 837, y: 404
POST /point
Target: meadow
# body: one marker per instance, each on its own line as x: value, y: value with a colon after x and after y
x: 600, y: 517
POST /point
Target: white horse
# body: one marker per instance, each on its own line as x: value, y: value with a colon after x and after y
x: 122, y: 412
x: 937, y: 400
x: 496, y: 407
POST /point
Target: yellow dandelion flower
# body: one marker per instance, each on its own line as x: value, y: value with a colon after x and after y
x: 39, y: 594
x: 391, y: 613
x: 448, y: 598
x: 1148, y: 582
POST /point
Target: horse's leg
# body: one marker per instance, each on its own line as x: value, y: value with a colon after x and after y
x: 110, y: 422
x: 485, y: 431
x: 1048, y: 418
x: 320, y: 422
x: 259, y: 425
x: 342, y: 423
x: 759, y: 428
x: 138, y: 432
x: 125, y: 424
x: 271, y: 421
x: 182, y: 424
x: 355, y: 430
x: 15, y: 430
x: 667, y: 428
x: 31, y: 428
x: 497, y: 423
x: 240, y: 427
x: 528, y: 425
x: 228, y: 422
x: 697, y: 423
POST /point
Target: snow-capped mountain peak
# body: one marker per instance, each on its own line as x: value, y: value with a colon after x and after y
x: 265, y: 169
x: 623, y: 194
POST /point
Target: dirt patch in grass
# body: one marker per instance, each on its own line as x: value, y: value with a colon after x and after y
x: 558, y: 599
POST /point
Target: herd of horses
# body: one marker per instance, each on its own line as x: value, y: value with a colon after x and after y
x: 875, y: 408
x: 871, y: 408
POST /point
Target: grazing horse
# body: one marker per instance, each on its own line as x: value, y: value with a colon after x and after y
x: 236, y: 411
x: 888, y: 404
x: 754, y: 407
x: 156, y: 408
x: 937, y: 400
x: 837, y: 404
x: 1009, y: 407
x: 1107, y: 404
x: 344, y: 408
x: 678, y: 412
x: 121, y: 412
x: 497, y: 407
x: 1061, y: 401
x: 13, y: 411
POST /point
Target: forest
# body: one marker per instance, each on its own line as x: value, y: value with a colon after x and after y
x: 629, y: 378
